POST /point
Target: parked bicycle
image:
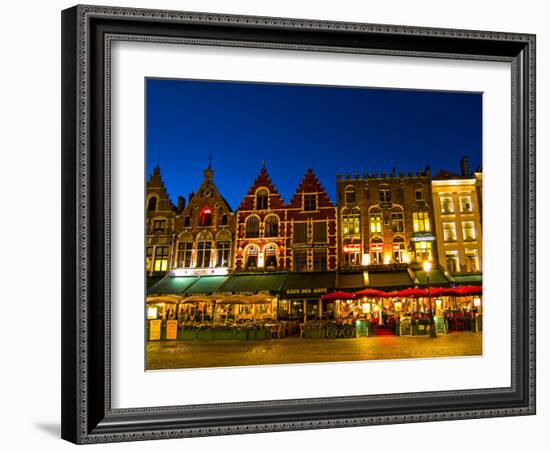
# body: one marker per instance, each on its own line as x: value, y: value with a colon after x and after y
x: 340, y: 330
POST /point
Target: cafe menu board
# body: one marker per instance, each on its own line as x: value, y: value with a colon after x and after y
x: 154, y: 329
x: 171, y: 329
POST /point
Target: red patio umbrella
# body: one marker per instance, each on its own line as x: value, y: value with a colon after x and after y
x: 338, y: 295
x: 368, y: 292
x: 468, y: 290
x: 411, y: 292
x: 442, y: 291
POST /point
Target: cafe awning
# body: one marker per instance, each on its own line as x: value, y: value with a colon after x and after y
x: 151, y: 281
x: 437, y: 278
x: 253, y: 283
x: 350, y: 281
x: 388, y: 280
x: 467, y: 278
x: 206, y: 285
x: 308, y: 284
x: 171, y: 285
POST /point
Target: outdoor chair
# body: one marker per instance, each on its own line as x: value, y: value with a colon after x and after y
x: 276, y: 330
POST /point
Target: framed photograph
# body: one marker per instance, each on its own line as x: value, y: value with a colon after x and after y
x: 280, y: 224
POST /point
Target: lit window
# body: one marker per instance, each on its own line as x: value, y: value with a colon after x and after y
x: 465, y: 204
x: 271, y: 226
x: 421, y: 221
x: 310, y: 202
x: 350, y: 195
x: 351, y: 253
x: 262, y: 199
x: 270, y: 257
x: 251, y: 257
x: 375, y: 220
x: 252, y: 227
x: 159, y: 225
x: 350, y: 224
x: 451, y: 257
x: 206, y: 216
x: 447, y: 206
x: 397, y: 224
x: 319, y: 231
x: 399, y: 249
x: 468, y: 231
x: 161, y: 259
x: 472, y: 261
x: 300, y: 232
x: 148, y: 259
x: 423, y: 250
x: 449, y: 231
x: 376, y: 251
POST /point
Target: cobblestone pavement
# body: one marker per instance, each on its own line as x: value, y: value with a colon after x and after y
x: 172, y: 355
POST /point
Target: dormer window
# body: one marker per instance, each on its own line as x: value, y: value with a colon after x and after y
x: 262, y: 199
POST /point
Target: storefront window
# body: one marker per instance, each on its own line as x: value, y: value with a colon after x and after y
x: 351, y: 254
x: 376, y: 251
x: 399, y: 250
x: 423, y: 250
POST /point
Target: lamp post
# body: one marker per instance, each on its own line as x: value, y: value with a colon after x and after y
x: 427, y: 269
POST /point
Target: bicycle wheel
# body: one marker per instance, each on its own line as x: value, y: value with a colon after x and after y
x: 349, y: 331
x: 332, y: 332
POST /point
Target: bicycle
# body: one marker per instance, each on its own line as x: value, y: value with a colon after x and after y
x: 339, y: 330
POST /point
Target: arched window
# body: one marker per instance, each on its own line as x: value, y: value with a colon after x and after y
x: 376, y: 250
x: 350, y: 196
x: 185, y: 250
x: 223, y: 248
x: 399, y: 249
x: 206, y: 216
x: 270, y: 255
x: 271, y: 228
x: 204, y: 249
x: 397, y: 222
x: 262, y: 199
x: 152, y: 204
x: 252, y: 227
x: 251, y: 260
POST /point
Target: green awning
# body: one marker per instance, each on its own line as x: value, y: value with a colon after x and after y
x: 308, y: 284
x: 206, y: 284
x: 467, y: 278
x: 350, y: 281
x: 437, y: 278
x: 151, y: 281
x: 395, y: 279
x: 171, y: 285
x: 253, y: 283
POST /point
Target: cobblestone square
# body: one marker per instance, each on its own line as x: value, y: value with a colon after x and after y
x: 195, y: 354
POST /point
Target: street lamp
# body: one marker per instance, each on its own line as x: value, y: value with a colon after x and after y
x: 427, y: 269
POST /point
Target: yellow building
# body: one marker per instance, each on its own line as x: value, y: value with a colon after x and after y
x: 457, y: 216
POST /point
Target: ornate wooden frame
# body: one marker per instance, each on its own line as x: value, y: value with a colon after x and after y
x: 87, y: 32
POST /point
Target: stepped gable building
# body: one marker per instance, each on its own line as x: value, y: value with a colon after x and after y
x: 385, y: 219
x: 261, y: 228
x: 205, y: 230
x: 160, y: 226
x: 311, y: 228
x: 457, y: 207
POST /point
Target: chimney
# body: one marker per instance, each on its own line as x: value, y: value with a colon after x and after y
x: 181, y: 204
x: 464, y: 171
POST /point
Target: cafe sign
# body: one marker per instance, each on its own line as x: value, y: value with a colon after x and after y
x: 307, y: 291
x: 422, y: 237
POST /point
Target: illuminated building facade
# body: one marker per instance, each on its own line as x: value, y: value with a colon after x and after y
x: 205, y: 231
x: 385, y: 219
x: 160, y: 226
x: 261, y: 228
x: 457, y: 208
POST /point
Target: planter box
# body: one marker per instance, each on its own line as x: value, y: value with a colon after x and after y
x: 222, y: 335
x: 187, y: 334
x: 262, y: 334
x: 251, y: 335
x: 205, y: 335
x: 314, y: 333
x: 240, y: 335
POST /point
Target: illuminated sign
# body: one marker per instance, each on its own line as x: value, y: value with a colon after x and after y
x: 154, y: 330
x: 199, y: 271
x: 171, y: 329
x: 422, y: 237
x: 352, y: 248
x: 307, y: 291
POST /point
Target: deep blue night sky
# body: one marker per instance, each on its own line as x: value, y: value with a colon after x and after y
x: 295, y: 127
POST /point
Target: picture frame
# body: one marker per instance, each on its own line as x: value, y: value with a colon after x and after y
x: 87, y: 412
